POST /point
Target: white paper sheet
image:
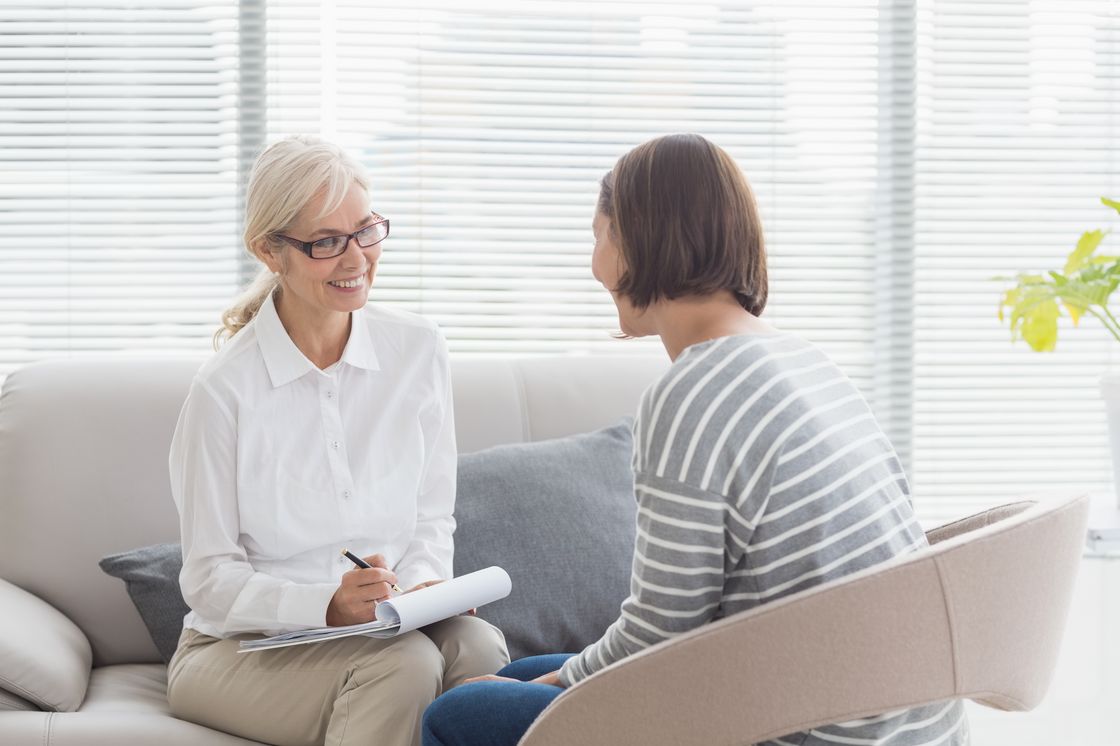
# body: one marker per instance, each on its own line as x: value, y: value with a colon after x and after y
x: 419, y: 608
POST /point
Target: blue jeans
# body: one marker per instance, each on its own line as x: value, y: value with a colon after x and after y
x: 493, y: 713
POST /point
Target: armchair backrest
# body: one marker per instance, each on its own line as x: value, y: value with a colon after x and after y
x: 977, y: 615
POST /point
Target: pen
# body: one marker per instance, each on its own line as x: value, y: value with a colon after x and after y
x: 365, y: 566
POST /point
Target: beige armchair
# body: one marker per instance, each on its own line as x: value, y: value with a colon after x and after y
x: 978, y: 615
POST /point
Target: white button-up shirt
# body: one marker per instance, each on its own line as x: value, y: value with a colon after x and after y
x: 277, y: 466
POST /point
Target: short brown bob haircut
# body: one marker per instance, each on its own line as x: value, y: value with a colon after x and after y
x: 686, y: 223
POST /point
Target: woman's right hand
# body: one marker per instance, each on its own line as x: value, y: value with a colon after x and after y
x: 359, y: 592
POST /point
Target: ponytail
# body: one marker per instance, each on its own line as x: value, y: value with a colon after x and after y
x: 246, y: 306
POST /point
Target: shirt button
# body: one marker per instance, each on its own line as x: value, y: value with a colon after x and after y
x: 330, y: 394
x: 346, y: 495
x: 334, y: 444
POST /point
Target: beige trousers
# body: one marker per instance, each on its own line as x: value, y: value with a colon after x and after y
x: 353, y: 690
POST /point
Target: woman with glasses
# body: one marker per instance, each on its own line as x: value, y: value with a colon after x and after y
x: 322, y: 424
x: 760, y: 471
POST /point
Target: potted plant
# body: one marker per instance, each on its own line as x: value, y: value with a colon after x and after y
x: 1084, y: 286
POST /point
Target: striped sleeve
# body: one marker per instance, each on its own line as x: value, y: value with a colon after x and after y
x: 677, y: 578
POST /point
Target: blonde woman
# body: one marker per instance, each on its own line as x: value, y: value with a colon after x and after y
x: 322, y: 423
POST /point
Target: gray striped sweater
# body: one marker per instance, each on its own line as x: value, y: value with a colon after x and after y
x: 760, y: 471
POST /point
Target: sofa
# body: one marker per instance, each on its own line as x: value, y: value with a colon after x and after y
x: 83, y: 475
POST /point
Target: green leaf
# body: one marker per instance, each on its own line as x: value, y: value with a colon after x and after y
x: 1086, y: 245
x: 1009, y: 299
x: 1032, y: 308
x: 1039, y: 326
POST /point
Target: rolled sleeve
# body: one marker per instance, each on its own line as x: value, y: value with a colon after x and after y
x: 305, y: 605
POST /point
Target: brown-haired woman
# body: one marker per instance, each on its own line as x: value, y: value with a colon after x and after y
x: 760, y: 471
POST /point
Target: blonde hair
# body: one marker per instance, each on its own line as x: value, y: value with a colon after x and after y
x: 285, y: 178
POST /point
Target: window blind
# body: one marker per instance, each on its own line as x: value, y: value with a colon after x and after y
x: 118, y: 177
x: 1018, y: 123
x: 487, y: 128
x: 903, y: 152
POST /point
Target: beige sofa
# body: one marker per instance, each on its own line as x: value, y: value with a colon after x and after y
x: 83, y: 449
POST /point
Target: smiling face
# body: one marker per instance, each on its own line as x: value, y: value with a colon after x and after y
x: 321, y: 287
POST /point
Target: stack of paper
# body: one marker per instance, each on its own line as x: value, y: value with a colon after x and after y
x: 406, y: 612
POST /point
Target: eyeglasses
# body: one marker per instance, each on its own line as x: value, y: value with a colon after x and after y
x: 332, y: 246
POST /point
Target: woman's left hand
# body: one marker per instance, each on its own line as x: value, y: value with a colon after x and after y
x: 552, y: 678
x: 491, y: 677
x: 428, y: 583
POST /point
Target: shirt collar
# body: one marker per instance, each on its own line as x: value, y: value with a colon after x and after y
x: 285, y: 362
x: 359, y: 350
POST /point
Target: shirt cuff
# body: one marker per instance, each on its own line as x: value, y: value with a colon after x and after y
x: 569, y: 673
x: 305, y: 604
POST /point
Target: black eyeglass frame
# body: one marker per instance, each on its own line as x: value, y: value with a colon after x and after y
x: 308, y: 247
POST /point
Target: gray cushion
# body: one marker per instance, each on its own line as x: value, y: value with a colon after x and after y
x: 559, y: 516
x: 151, y: 575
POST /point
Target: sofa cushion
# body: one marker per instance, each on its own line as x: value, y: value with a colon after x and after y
x: 151, y: 575
x: 125, y: 704
x: 44, y: 658
x: 559, y: 516
x: 11, y: 703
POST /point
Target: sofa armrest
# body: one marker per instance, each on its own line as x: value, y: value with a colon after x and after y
x: 44, y: 658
